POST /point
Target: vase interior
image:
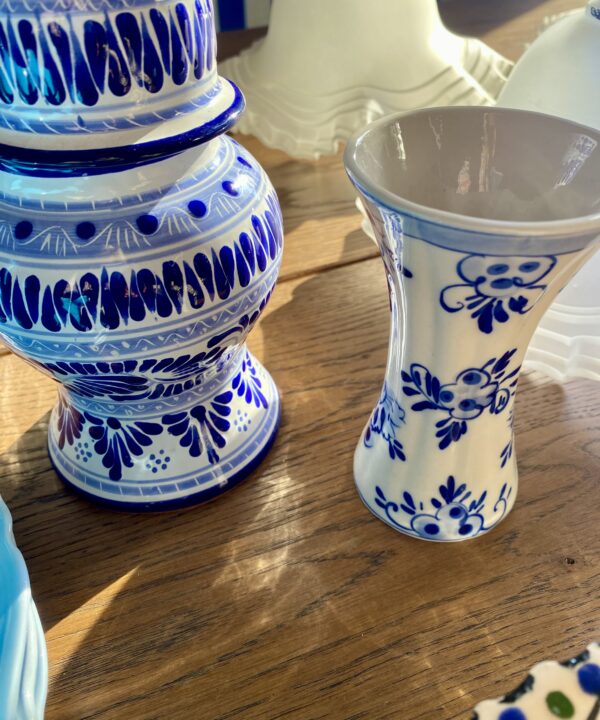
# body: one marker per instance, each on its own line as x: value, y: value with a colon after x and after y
x: 493, y: 164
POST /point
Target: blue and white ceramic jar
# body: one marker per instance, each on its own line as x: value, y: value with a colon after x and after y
x: 138, y: 247
x: 481, y: 217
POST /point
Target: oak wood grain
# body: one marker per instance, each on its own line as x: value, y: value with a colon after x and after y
x: 285, y: 598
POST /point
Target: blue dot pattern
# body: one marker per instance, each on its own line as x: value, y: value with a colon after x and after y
x: 197, y: 208
x: 589, y: 678
x: 147, y: 224
x: 23, y: 229
x: 512, y: 714
x: 85, y: 230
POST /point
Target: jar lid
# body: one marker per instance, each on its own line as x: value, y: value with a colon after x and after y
x: 89, y: 84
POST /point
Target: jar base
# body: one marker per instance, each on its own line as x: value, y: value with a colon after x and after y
x: 205, y: 447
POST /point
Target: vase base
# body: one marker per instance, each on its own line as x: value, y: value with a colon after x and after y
x: 418, y: 536
x: 241, y: 421
x: 454, y: 516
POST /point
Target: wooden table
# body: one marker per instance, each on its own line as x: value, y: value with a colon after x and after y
x: 286, y: 598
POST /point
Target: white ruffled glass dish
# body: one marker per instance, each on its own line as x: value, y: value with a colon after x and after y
x: 325, y: 69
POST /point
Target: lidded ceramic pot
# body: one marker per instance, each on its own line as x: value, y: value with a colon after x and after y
x: 92, y: 75
x: 138, y: 247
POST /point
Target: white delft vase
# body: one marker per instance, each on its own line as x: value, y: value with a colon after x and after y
x: 481, y: 216
x: 327, y: 67
x: 138, y: 247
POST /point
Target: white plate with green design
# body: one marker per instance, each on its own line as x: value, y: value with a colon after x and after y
x: 552, y: 690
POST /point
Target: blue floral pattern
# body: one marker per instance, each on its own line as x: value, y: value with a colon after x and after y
x: 247, y: 384
x: 200, y: 430
x: 387, y: 417
x: 494, y: 287
x: 454, y: 515
x: 472, y: 392
x: 118, y: 442
x: 132, y: 380
x: 70, y: 422
x: 203, y: 427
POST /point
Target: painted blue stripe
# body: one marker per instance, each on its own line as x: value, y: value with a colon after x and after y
x: 232, y: 15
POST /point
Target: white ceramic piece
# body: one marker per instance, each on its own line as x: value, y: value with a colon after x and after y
x: 327, y: 68
x: 23, y: 659
x: 552, y: 690
x: 566, y: 344
x: 555, y: 76
x: 138, y: 247
x: 481, y: 216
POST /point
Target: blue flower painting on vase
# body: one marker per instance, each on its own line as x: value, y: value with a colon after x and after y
x: 493, y: 288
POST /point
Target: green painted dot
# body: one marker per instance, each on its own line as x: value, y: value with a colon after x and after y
x: 560, y: 705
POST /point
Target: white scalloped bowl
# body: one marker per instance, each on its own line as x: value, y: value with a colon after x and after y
x: 552, y: 690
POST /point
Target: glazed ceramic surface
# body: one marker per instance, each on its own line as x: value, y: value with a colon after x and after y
x: 407, y: 59
x: 116, y: 80
x: 554, y: 76
x: 481, y: 216
x: 566, y: 343
x: 134, y: 282
x: 23, y: 659
x: 552, y: 690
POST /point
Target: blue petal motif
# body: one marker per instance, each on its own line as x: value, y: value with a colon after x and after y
x: 203, y: 427
x: 111, y: 300
x: 59, y: 60
x: 387, y: 417
x: 118, y: 441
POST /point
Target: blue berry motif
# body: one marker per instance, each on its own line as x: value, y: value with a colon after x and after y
x: 157, y: 462
x: 494, y: 287
x: 454, y: 515
x: 472, y: 392
x: 387, y: 417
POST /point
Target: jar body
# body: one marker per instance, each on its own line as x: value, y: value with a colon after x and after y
x: 136, y: 290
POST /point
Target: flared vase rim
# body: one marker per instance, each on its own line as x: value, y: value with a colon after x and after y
x: 583, y: 225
